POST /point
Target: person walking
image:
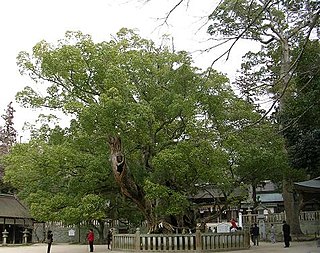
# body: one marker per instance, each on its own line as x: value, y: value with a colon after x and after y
x: 251, y: 232
x: 109, y: 239
x: 49, y: 240
x: 255, y: 234
x: 90, y: 238
x: 272, y: 234
x: 286, y: 234
x: 233, y: 226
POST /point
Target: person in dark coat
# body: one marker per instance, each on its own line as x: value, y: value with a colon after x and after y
x: 49, y: 240
x: 286, y: 234
x: 109, y: 239
x: 255, y: 234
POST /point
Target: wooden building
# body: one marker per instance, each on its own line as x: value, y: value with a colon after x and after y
x: 310, y: 192
x: 14, y: 219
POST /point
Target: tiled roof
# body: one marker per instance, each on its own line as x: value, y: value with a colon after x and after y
x: 312, y: 185
x: 268, y: 186
x: 208, y: 193
x: 11, y: 207
x: 270, y: 197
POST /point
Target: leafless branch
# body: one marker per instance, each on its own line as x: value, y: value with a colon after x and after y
x: 296, y: 119
x: 291, y: 70
x: 172, y: 10
x: 228, y: 51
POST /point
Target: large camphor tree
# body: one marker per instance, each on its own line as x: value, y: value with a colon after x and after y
x: 169, y: 126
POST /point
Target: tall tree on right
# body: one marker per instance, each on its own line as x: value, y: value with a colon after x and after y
x: 283, y: 28
x: 301, y: 114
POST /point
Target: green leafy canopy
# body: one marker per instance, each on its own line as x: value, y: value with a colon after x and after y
x: 180, y: 126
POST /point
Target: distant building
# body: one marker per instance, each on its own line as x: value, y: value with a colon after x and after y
x: 270, y: 197
x: 310, y: 192
x: 211, y: 200
x: 14, y: 218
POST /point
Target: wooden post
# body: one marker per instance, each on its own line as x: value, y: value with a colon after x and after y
x: 198, y: 240
x: 137, y: 240
x: 246, y: 239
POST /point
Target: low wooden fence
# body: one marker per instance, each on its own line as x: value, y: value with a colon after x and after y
x: 279, y: 217
x: 310, y: 216
x: 225, y: 241
x: 198, y: 242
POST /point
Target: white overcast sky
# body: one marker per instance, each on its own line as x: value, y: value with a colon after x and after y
x: 25, y: 22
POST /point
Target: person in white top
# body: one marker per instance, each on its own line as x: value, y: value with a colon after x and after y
x: 272, y: 234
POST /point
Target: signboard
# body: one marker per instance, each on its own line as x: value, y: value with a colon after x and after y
x: 223, y: 228
x: 72, y: 232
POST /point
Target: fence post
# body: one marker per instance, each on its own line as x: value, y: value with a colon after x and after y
x: 246, y: 239
x: 198, y: 239
x: 137, y: 240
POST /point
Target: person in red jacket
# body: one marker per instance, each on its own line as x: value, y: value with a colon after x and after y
x: 234, y: 226
x: 90, y: 238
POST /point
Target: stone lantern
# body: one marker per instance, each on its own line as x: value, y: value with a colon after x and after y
x: 5, y: 236
x: 25, y: 236
x: 261, y: 222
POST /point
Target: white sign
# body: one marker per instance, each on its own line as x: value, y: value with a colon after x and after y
x: 223, y: 228
x: 72, y: 232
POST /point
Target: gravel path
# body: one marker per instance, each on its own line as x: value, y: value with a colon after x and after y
x: 296, y: 247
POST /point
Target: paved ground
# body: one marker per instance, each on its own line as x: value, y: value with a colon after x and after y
x: 296, y: 247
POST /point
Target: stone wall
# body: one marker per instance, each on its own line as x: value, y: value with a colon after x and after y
x: 307, y: 227
x: 63, y: 234
x: 310, y: 227
x: 309, y: 221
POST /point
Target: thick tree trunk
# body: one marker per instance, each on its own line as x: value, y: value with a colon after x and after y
x: 101, y: 231
x: 126, y: 181
x: 254, y: 196
x: 291, y: 202
x: 292, y: 207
